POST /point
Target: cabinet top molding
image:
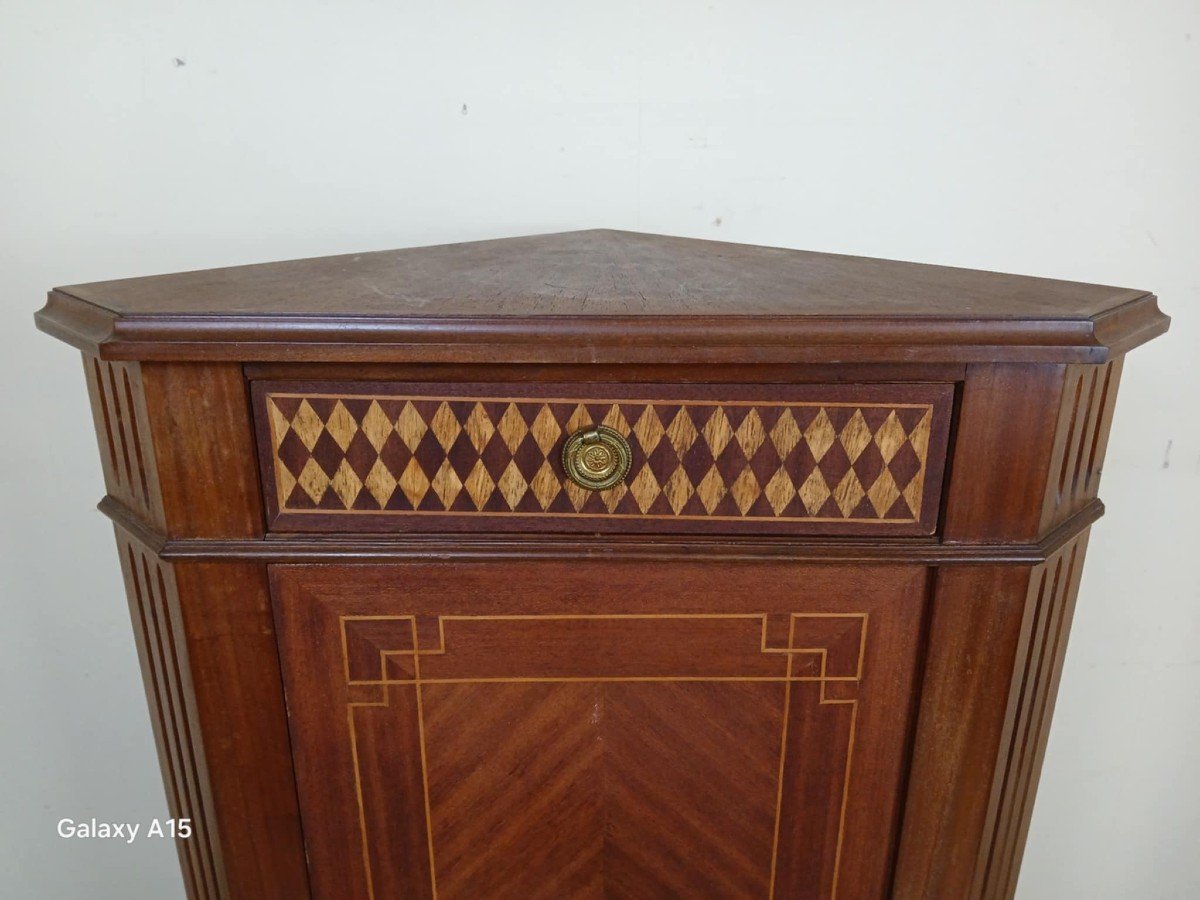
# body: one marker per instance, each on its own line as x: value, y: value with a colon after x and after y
x: 601, y: 297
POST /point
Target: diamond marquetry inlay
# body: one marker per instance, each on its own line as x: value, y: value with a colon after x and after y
x: 693, y: 459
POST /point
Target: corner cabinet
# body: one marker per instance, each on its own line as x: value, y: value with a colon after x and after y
x: 601, y: 564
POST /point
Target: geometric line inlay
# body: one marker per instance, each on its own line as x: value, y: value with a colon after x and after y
x: 397, y: 636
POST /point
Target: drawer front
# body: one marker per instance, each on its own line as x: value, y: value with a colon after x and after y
x: 816, y: 459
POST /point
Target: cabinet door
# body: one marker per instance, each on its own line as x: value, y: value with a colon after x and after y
x: 599, y: 728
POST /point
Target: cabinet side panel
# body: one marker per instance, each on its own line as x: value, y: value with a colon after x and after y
x: 153, y: 606
x: 978, y: 629
x: 177, y: 453
x: 204, y: 449
x: 234, y: 674
x: 997, y: 643
x: 1053, y: 588
x: 1002, y: 452
x: 123, y: 434
x: 1081, y: 439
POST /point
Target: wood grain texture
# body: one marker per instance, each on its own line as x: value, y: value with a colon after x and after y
x: 233, y: 674
x: 204, y: 448
x: 162, y: 651
x: 978, y: 629
x: 657, y: 372
x: 345, y: 456
x: 647, y: 548
x: 1089, y: 397
x: 599, y: 729
x: 177, y: 453
x: 1050, y: 604
x: 124, y: 437
x: 996, y: 648
x: 1004, y: 434
x: 600, y: 273
x: 1034, y: 440
x: 600, y: 296
x: 211, y: 671
x: 620, y: 768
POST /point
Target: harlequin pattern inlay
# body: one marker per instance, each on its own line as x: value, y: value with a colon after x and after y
x: 815, y: 461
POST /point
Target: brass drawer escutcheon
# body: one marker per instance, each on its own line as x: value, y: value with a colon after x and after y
x: 596, y: 458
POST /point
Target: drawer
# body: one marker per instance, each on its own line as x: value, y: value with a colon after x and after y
x: 806, y: 459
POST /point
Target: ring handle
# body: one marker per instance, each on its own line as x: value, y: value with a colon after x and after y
x: 596, y: 458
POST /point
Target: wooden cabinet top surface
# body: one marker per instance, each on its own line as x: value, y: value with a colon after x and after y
x: 601, y: 296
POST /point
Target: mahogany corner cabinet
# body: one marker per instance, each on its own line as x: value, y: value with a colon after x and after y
x: 601, y: 564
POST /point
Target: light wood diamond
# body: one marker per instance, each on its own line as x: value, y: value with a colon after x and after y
x: 545, y: 484
x: 380, y: 482
x: 479, y: 485
x: 545, y: 430
x: 890, y: 437
x: 919, y: 438
x: 286, y: 483
x: 615, y: 420
x: 649, y: 429
x: 745, y: 490
x: 512, y: 428
x: 346, y: 484
x: 445, y: 426
x: 307, y: 425
x: 614, y: 495
x: 410, y: 426
x: 849, y: 493
x: 446, y: 484
x: 750, y: 433
x: 786, y: 434
x: 681, y: 432
x: 377, y: 426
x: 279, y: 423
x: 512, y: 485
x: 820, y: 435
x: 645, y: 489
x: 678, y: 490
x: 413, y: 482
x: 814, y: 492
x: 479, y: 428
x: 341, y: 425
x: 913, y: 491
x: 883, y: 492
x: 780, y: 490
x: 580, y: 418
x: 856, y: 435
x: 314, y: 480
x: 712, y: 489
x: 718, y: 432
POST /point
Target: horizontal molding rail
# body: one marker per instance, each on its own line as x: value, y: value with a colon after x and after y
x: 398, y: 547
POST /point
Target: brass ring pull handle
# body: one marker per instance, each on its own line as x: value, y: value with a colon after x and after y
x: 596, y: 458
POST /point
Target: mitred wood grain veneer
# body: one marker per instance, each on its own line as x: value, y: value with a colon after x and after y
x: 806, y: 645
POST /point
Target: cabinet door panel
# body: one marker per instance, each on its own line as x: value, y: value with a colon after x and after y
x: 599, y: 728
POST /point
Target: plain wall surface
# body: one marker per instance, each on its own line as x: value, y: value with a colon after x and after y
x: 1055, y: 139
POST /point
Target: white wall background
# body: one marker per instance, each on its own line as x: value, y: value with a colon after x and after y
x: 1049, y: 138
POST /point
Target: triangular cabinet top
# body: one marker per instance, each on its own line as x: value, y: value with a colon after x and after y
x: 601, y: 296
